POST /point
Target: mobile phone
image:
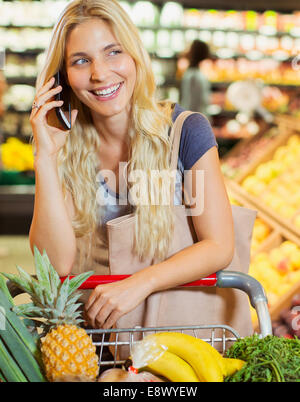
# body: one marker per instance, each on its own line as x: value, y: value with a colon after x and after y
x: 63, y: 116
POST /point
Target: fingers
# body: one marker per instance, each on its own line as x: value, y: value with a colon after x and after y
x: 45, y: 88
x: 111, y: 320
x: 40, y: 100
x: 100, y: 312
x: 102, y: 316
x: 92, y: 307
x: 44, y: 109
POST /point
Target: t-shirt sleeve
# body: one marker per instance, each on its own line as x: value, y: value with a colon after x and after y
x: 197, y: 138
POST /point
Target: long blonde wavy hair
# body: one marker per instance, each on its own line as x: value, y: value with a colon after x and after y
x: 149, y: 146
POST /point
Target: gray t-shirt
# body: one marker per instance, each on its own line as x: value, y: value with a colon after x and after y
x: 196, y: 139
x: 195, y: 91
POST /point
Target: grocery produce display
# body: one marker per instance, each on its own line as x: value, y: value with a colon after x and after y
x: 277, y: 269
x: 238, y: 161
x: 16, y: 155
x: 261, y: 229
x: 276, y: 182
x: 287, y: 324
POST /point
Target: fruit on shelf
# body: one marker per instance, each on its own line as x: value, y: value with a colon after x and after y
x: 276, y: 182
x: 275, y: 99
x: 254, y: 185
x: 260, y: 232
x: 16, y: 155
x: 67, y: 350
x: 260, y: 229
x: 277, y: 270
x: 271, y: 72
x: 233, y: 164
x: 288, y: 323
x: 296, y: 221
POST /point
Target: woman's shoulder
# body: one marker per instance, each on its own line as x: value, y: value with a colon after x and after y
x: 195, y: 120
x: 197, y: 137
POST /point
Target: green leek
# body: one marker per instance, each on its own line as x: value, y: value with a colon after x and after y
x: 9, y: 367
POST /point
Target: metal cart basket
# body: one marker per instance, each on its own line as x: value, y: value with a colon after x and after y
x: 220, y: 335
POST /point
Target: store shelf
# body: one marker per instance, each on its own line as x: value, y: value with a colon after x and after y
x: 225, y: 84
x: 16, y: 209
x: 24, y: 52
x: 22, y: 190
x: 276, y: 34
x: 277, y: 5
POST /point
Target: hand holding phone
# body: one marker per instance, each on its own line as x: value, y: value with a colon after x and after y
x: 63, y: 117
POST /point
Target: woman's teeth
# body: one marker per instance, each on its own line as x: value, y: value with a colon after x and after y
x: 107, y: 92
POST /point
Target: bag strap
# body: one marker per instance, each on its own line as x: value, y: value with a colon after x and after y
x: 175, y: 137
x: 175, y: 141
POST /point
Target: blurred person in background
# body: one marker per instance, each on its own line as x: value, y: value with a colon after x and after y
x: 195, y: 87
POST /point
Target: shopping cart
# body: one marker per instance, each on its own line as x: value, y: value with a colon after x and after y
x: 220, y: 335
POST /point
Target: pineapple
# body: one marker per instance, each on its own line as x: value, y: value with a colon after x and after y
x: 67, y: 350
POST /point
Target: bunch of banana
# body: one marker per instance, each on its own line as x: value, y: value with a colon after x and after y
x: 182, y: 358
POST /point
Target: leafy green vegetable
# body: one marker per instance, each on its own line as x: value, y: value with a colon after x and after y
x: 269, y: 359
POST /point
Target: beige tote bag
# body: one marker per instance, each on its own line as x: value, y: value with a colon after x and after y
x: 184, y: 306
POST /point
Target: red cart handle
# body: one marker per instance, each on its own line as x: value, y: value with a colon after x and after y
x: 95, y: 280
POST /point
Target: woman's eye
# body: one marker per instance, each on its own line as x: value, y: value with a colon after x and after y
x: 80, y: 61
x: 115, y: 52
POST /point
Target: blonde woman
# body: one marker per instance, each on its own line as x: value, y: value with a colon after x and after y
x: 116, y: 118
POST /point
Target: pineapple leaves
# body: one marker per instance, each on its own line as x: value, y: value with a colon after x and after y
x: 78, y: 280
x: 72, y: 299
x: 28, y: 310
x: 41, y: 268
x: 18, y: 281
x: 5, y: 289
x: 62, y: 296
x: 52, y: 299
x: 54, y: 278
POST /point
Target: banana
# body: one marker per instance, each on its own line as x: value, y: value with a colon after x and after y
x: 148, y: 355
x: 173, y: 368
x: 232, y: 365
x: 203, y: 358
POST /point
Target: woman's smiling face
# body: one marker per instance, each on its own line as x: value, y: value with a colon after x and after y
x: 99, y: 71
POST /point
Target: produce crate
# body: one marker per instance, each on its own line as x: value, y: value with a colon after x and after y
x: 248, y: 153
x: 289, y: 283
x: 288, y: 122
x: 279, y: 210
x: 285, y: 302
x: 260, y: 240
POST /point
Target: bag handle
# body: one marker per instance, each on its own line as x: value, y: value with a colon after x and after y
x: 175, y: 137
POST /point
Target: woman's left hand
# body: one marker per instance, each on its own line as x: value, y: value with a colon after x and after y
x: 107, y: 303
